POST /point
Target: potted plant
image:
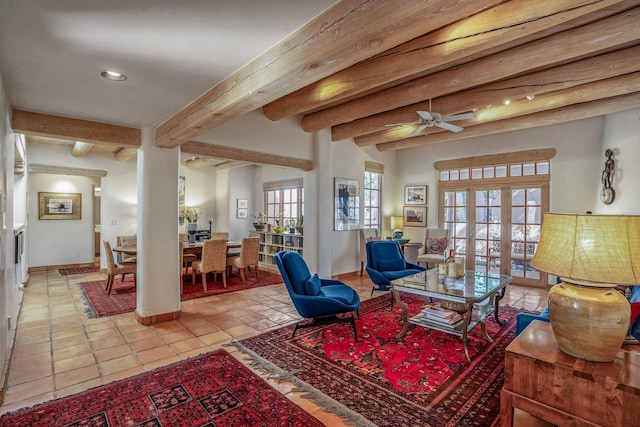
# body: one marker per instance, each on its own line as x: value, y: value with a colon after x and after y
x: 260, y: 221
x: 299, y: 228
x: 191, y: 216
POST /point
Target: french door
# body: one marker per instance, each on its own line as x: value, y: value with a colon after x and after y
x: 496, y: 227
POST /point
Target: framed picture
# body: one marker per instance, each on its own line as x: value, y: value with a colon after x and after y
x: 243, y: 204
x: 59, y: 205
x: 242, y: 213
x: 415, y: 194
x: 346, y: 210
x: 415, y: 216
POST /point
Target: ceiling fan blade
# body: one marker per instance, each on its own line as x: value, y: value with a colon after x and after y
x: 404, y: 124
x: 449, y: 126
x: 418, y: 130
x: 459, y: 117
x: 425, y: 115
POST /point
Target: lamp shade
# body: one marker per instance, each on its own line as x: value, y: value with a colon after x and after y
x: 397, y: 222
x: 604, y: 249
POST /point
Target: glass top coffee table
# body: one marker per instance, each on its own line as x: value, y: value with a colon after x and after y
x: 476, y: 294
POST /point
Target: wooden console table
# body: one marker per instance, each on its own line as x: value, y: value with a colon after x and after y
x: 558, y: 388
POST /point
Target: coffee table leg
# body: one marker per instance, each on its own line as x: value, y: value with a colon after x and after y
x: 497, y: 299
x: 465, y: 327
x: 404, y: 310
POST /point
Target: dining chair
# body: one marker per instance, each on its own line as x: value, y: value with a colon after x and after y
x: 247, y: 258
x: 214, y: 260
x: 113, y: 269
x: 189, y: 258
x: 223, y: 235
x: 123, y: 258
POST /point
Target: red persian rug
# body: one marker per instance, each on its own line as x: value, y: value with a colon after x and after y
x: 422, y: 380
x: 123, y: 295
x: 210, y: 390
x: 78, y: 270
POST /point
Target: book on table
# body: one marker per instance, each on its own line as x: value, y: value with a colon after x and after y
x: 441, y: 315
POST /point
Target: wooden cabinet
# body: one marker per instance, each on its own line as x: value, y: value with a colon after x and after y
x: 551, y: 385
x: 272, y: 243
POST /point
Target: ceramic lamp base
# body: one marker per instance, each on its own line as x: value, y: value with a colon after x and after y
x: 589, y: 323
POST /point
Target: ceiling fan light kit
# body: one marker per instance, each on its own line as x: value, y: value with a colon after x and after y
x: 431, y: 119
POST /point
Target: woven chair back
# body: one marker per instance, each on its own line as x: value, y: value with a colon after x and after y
x: 249, y: 251
x: 220, y: 235
x: 214, y: 255
x: 111, y: 262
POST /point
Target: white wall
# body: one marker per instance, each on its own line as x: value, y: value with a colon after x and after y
x: 61, y: 241
x: 200, y: 192
x: 622, y: 136
x: 577, y: 161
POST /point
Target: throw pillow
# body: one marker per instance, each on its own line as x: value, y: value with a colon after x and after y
x: 312, y: 285
x: 375, y: 239
x: 436, y: 246
x: 391, y: 264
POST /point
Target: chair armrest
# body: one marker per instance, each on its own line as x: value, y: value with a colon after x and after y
x: 329, y: 282
x: 415, y: 266
x: 377, y: 277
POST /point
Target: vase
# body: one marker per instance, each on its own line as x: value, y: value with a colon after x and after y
x: 589, y: 322
x: 259, y: 227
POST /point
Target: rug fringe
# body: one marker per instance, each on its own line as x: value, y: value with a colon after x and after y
x: 91, y: 313
x: 349, y: 416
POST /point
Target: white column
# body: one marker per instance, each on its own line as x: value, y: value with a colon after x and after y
x: 158, y: 288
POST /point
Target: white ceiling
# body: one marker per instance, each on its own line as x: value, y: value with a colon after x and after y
x: 52, y: 52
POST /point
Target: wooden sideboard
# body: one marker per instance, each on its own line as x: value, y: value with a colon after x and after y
x: 558, y: 388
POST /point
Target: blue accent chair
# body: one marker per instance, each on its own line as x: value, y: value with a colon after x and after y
x: 385, y: 263
x: 320, y: 300
x: 523, y: 319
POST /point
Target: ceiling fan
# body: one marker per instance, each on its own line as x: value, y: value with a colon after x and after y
x: 431, y: 119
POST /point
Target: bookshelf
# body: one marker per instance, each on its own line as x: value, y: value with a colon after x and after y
x: 272, y: 243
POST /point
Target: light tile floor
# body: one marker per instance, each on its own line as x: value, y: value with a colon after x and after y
x: 60, y: 351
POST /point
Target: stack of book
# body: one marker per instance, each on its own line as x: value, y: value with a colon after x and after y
x: 437, y: 314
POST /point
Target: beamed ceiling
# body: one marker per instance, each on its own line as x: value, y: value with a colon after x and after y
x: 360, y: 66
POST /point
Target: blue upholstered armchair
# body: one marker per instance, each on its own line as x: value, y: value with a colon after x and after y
x: 385, y: 263
x: 321, y: 300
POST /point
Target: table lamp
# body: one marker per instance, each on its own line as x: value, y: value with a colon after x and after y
x: 592, y: 254
x: 397, y: 222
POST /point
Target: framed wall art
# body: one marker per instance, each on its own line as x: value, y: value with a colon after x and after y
x: 243, y: 204
x: 415, y: 194
x: 346, y: 211
x: 242, y: 213
x: 415, y: 216
x: 59, y: 205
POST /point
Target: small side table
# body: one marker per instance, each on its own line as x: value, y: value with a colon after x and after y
x: 563, y: 390
x: 411, y: 252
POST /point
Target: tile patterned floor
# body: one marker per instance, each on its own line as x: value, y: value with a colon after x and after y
x: 60, y: 351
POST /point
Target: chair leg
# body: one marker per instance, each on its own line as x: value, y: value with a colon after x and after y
x: 361, y: 267
x: 224, y: 278
x: 257, y: 278
x: 242, y: 276
x: 204, y: 281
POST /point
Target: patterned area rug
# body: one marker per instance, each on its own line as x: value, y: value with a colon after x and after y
x: 209, y: 390
x: 123, y: 295
x: 424, y: 379
x: 78, y: 270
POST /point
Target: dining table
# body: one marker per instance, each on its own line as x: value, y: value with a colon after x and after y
x: 189, y: 248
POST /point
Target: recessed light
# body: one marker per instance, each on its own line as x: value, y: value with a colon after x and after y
x: 506, y: 102
x: 530, y: 97
x: 113, y: 75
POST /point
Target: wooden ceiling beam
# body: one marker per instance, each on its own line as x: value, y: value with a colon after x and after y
x: 573, y: 74
x: 125, y: 154
x: 46, y: 125
x: 81, y: 149
x: 231, y: 153
x: 621, y: 85
x: 64, y: 170
x: 502, y: 27
x: 584, y: 41
x: 338, y: 38
x: 544, y: 118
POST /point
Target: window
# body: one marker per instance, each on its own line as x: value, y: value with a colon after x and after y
x: 284, y: 202
x: 372, y: 194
